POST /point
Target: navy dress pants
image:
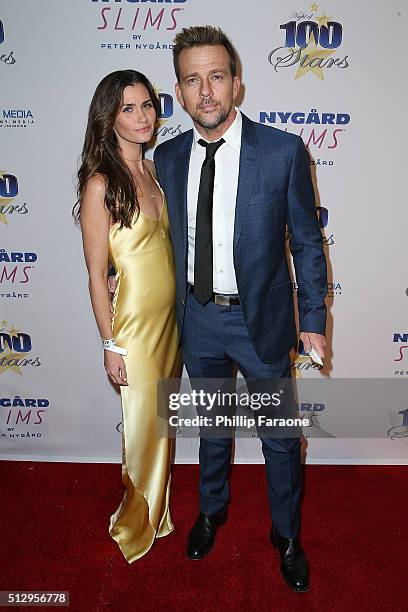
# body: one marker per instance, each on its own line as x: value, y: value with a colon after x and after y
x: 214, y: 339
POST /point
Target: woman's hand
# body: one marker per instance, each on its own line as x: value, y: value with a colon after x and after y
x: 115, y: 367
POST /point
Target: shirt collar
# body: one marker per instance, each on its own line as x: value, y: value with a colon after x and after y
x: 232, y: 136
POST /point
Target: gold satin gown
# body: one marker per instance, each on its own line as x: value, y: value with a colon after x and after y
x: 145, y: 324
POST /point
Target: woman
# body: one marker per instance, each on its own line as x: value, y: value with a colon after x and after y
x: 123, y: 218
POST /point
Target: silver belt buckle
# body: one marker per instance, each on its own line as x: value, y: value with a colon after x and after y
x: 221, y: 300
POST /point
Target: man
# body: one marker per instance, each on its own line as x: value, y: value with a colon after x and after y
x: 232, y: 187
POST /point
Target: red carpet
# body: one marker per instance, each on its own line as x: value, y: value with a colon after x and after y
x: 54, y: 519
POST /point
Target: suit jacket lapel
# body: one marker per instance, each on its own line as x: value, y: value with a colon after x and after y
x: 248, y: 168
x: 181, y: 166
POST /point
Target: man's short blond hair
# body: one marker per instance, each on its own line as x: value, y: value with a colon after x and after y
x: 198, y: 36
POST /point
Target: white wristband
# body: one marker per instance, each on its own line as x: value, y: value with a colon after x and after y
x: 110, y: 345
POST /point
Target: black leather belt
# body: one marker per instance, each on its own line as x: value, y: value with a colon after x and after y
x: 218, y: 298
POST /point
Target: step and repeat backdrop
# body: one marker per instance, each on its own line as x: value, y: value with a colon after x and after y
x: 334, y: 73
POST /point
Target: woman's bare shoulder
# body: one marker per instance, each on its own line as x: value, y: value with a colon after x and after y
x: 96, y: 185
x: 93, y: 199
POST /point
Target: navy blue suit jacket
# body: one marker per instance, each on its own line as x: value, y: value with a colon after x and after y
x: 275, y: 190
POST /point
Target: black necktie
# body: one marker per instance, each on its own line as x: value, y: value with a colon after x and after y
x: 203, y: 248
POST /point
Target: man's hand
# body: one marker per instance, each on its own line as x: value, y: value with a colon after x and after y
x: 111, y: 288
x: 317, y: 340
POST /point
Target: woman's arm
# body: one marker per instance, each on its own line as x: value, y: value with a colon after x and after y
x: 95, y: 222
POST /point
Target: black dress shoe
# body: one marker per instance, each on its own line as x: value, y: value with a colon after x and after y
x: 294, y: 567
x: 201, y: 537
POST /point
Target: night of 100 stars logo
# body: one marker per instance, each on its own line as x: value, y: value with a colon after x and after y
x: 165, y: 128
x: 311, y: 44
x: 6, y: 56
x: 9, y: 191
x: 15, y: 349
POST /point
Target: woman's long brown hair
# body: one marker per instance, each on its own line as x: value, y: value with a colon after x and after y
x: 100, y: 153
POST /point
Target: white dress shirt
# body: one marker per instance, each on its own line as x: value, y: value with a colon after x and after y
x: 224, y: 200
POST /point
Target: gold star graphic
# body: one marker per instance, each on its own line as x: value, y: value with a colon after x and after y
x: 314, y: 7
x: 8, y: 356
x: 4, y: 202
x: 314, y: 55
x: 323, y: 19
x: 300, y: 360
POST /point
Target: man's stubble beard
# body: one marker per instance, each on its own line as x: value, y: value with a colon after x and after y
x: 212, y: 124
